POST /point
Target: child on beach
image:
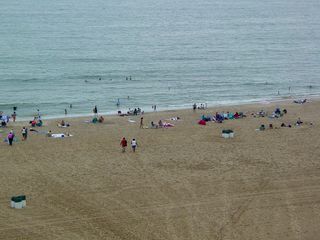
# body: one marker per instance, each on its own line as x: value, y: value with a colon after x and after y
x: 134, y: 144
x: 123, y: 144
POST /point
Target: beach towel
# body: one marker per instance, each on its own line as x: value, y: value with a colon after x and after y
x: 60, y: 135
x: 165, y: 124
x: 131, y: 121
x: 202, y: 122
x: 14, y: 140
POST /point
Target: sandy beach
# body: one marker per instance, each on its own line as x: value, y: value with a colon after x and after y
x: 184, y: 182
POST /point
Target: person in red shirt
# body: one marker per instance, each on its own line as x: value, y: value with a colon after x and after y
x: 123, y: 144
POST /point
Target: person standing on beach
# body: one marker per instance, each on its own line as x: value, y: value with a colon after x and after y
x: 123, y: 144
x: 194, y: 107
x: 24, y: 132
x: 95, y: 110
x: 39, y: 114
x: 10, y: 137
x: 14, y: 115
x: 134, y: 144
x: 141, y: 122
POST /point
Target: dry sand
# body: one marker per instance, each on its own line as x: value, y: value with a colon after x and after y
x: 184, y: 182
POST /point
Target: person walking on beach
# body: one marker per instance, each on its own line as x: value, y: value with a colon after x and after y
x: 24, y: 133
x: 123, y: 144
x: 134, y: 144
x: 141, y: 122
x: 10, y: 137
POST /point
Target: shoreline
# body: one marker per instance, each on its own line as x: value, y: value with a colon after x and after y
x: 266, y: 102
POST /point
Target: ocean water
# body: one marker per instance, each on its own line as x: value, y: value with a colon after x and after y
x: 52, y: 53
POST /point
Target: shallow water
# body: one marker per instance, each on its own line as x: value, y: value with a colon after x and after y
x: 177, y: 52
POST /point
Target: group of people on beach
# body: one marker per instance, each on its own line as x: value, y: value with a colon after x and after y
x: 200, y: 106
x: 124, y: 144
x: 11, y: 135
x: 298, y: 123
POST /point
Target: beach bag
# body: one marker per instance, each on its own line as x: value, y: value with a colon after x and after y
x: 202, y: 122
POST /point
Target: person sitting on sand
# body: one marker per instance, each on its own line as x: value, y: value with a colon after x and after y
x: 285, y: 111
x: 270, y: 126
x: 277, y: 111
x: 153, y: 125
x: 49, y: 133
x: 63, y: 124
x: 33, y: 122
x: 160, y: 123
x: 262, y: 113
x: 101, y: 119
x: 262, y: 127
x: 95, y: 120
x: 39, y: 123
x: 299, y: 122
